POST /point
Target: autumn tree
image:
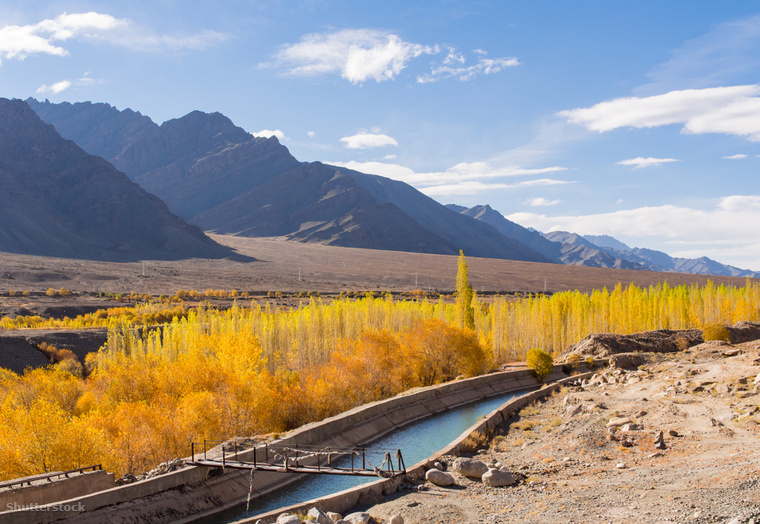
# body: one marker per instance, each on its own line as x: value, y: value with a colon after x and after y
x: 465, y: 311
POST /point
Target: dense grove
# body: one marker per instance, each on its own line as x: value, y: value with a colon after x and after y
x: 211, y: 374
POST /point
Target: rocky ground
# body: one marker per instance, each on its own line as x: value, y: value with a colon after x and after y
x: 591, y: 454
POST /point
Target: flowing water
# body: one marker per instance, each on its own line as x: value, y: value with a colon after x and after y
x: 416, y: 441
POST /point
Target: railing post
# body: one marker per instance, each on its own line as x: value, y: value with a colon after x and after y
x: 192, y: 451
x: 204, y: 449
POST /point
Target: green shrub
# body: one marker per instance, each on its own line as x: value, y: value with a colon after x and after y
x: 540, y: 362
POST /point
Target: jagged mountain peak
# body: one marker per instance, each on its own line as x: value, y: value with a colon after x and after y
x: 57, y: 200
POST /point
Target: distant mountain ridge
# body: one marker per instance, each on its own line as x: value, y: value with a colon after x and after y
x: 599, y: 250
x: 57, y: 200
x: 221, y: 178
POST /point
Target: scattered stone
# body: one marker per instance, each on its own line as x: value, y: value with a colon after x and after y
x: 497, y: 478
x: 618, y: 421
x: 319, y: 517
x: 573, y: 410
x: 673, y: 433
x: 621, y: 465
x: 659, y: 441
x: 438, y: 465
x: 287, y: 518
x: 656, y: 454
x: 439, y: 478
x: 470, y: 468
x: 640, y: 414
x: 396, y: 519
x: 335, y: 517
x: 359, y: 517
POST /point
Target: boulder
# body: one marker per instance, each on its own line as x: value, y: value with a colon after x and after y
x: 396, y: 519
x: 439, y: 478
x: 497, y: 478
x: 470, y: 468
x: 618, y: 421
x: 287, y: 518
x: 335, y: 517
x: 359, y: 518
x: 319, y: 517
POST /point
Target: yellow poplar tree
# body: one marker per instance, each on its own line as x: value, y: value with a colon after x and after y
x: 465, y: 311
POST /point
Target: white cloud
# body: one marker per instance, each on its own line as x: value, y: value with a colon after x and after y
x: 470, y: 187
x: 310, y: 134
x: 732, y: 220
x: 484, y: 66
x: 366, y: 140
x: 18, y: 42
x: 54, y: 89
x: 59, y: 87
x: 731, y: 110
x: 461, y: 172
x: 357, y: 54
x: 266, y: 133
x: 541, y: 202
x: 736, y: 157
x: 640, y: 162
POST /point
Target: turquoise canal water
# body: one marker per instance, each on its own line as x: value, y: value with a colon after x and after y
x: 416, y: 441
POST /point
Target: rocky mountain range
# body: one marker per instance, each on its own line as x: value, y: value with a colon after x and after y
x: 222, y: 179
x: 58, y: 200
x: 599, y: 251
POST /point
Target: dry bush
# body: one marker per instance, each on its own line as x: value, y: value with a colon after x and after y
x: 716, y: 332
x: 540, y: 362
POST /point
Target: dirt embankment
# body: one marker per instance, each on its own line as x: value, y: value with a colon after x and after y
x: 672, y: 439
x: 20, y: 349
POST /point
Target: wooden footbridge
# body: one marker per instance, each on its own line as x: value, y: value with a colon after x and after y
x: 366, y: 462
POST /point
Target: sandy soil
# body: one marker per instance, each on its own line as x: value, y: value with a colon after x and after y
x: 321, y: 268
x: 572, y: 467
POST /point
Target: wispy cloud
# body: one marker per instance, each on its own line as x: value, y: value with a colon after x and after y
x: 541, y: 202
x: 18, y: 42
x: 359, y: 55
x: 461, y: 179
x: 465, y: 171
x: 266, y: 133
x: 450, y: 69
x: 364, y: 140
x: 45, y: 37
x: 54, y: 89
x: 731, y: 110
x: 738, y: 156
x: 63, y: 85
x: 711, y: 60
x: 472, y: 187
x: 731, y: 220
x: 640, y: 162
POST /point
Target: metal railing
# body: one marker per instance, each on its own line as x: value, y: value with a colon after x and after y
x: 49, y: 477
x: 303, y: 459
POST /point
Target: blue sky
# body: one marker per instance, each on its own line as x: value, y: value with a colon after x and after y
x: 636, y: 119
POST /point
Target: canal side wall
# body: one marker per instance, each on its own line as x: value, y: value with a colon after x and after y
x: 192, y: 492
x: 345, y: 500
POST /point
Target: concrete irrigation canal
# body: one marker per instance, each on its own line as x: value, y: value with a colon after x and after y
x: 423, y: 423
